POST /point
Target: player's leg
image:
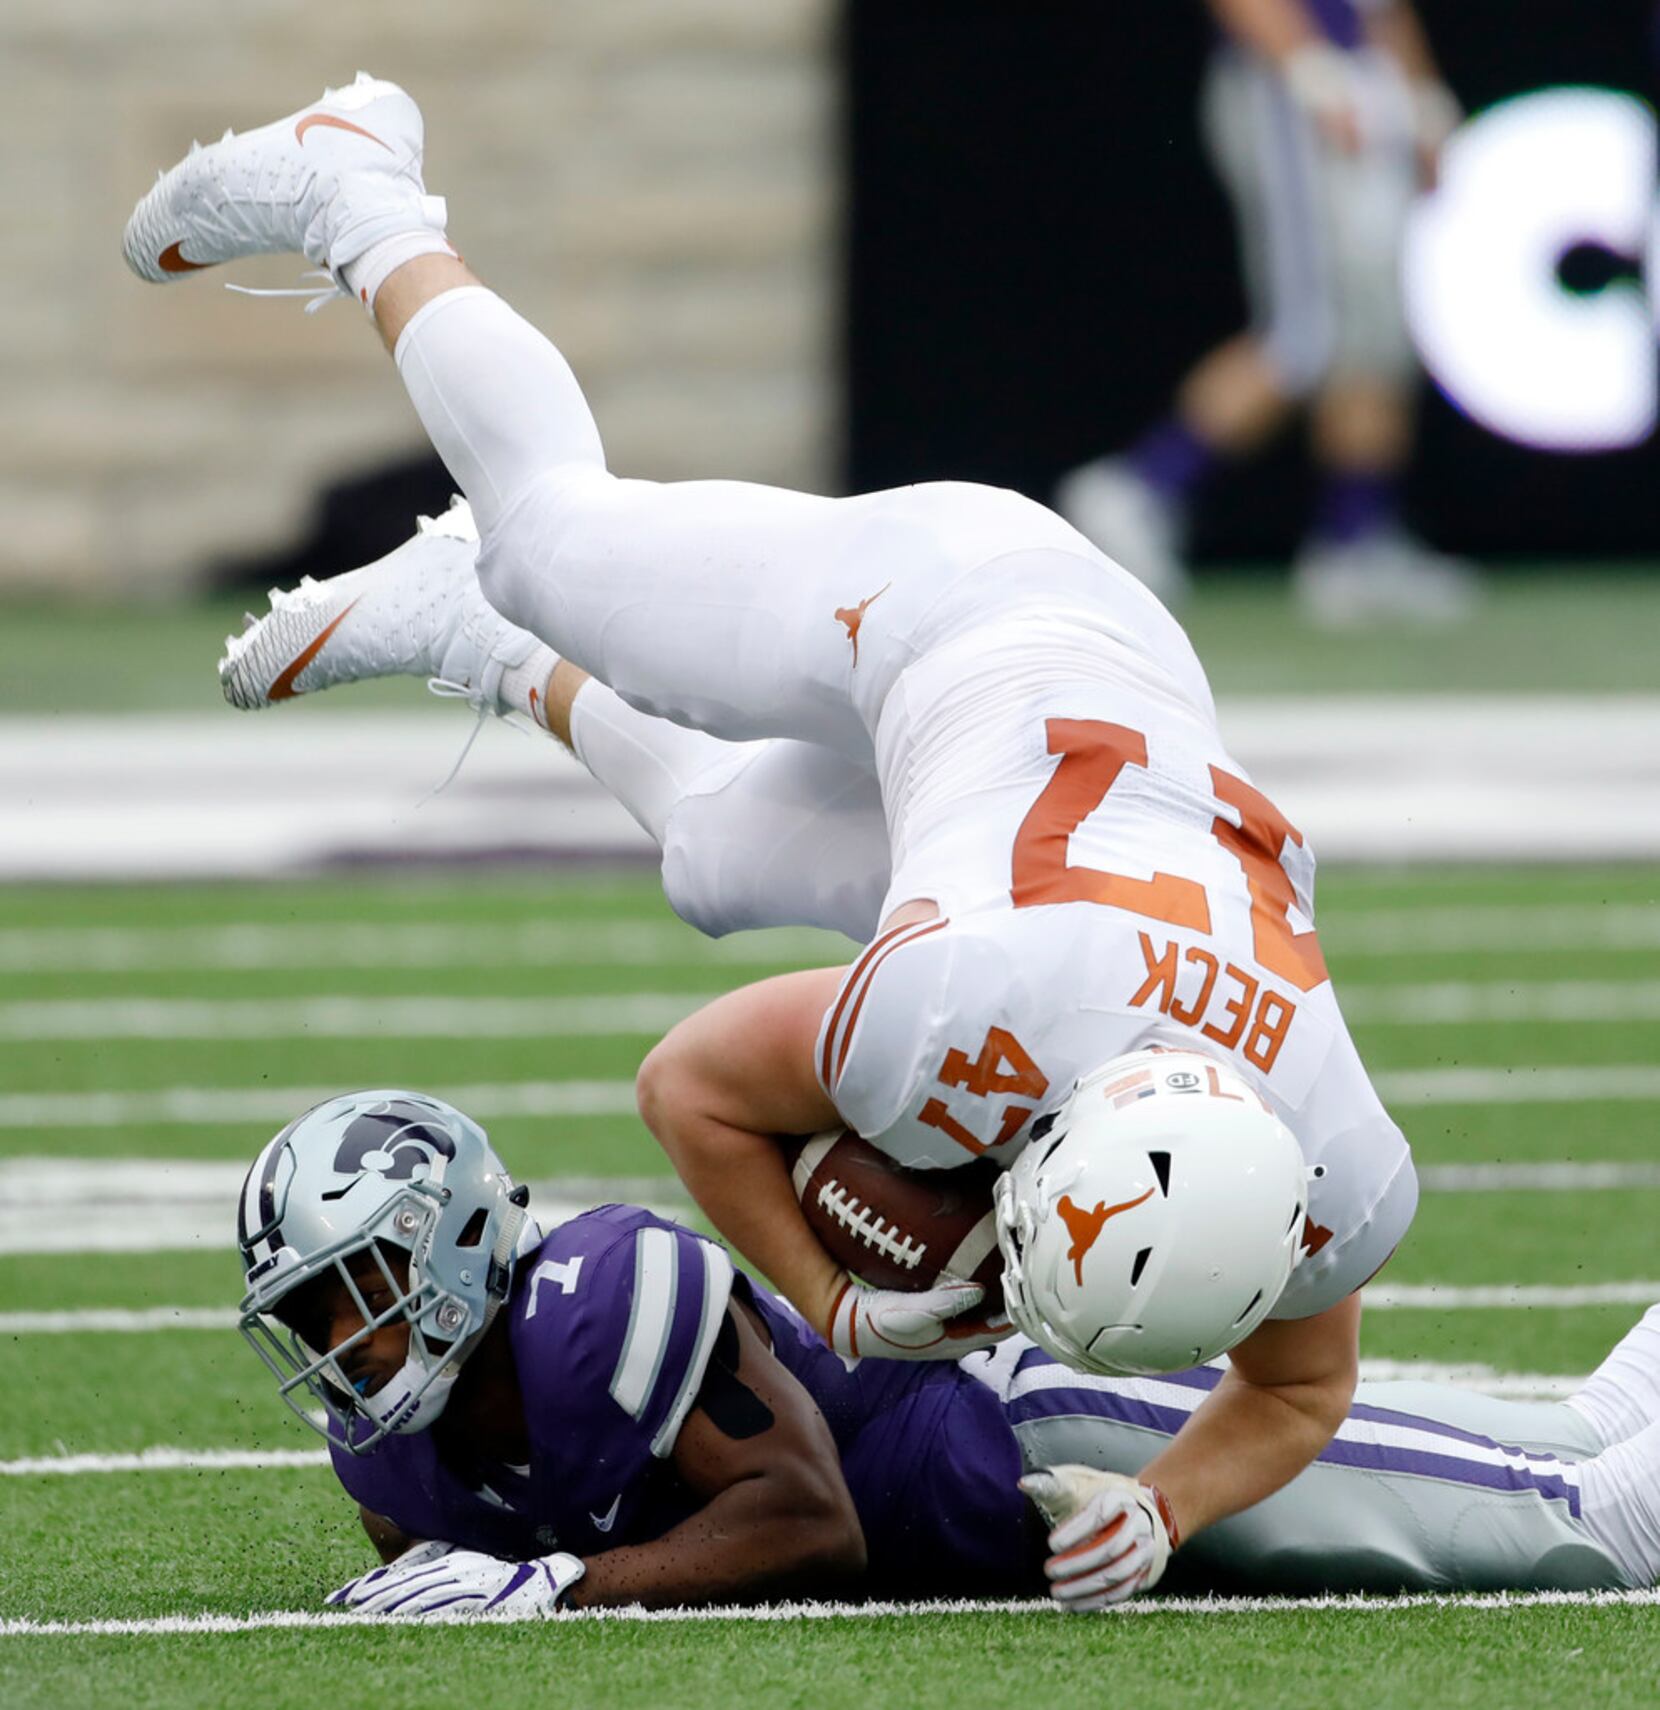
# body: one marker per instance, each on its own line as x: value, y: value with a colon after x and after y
x: 1134, y: 506
x: 1358, y: 562
x: 753, y: 834
x: 1407, y: 1496
x: 743, y: 610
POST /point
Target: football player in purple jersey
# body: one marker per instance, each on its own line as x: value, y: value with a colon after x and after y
x: 607, y: 1412
x: 1325, y: 118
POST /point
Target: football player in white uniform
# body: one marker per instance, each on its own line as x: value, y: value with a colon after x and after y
x: 1075, y: 869
x: 1324, y: 118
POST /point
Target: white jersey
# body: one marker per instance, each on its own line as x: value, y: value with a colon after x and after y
x: 1107, y: 879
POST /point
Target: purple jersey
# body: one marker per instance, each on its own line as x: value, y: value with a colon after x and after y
x: 1339, y: 21
x: 613, y: 1319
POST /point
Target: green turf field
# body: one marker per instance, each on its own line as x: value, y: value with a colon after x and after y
x: 75, y: 1086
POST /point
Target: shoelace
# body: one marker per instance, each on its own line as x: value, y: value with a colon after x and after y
x: 480, y: 703
x: 316, y: 295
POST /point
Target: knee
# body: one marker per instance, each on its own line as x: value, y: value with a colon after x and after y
x: 497, y: 580
x: 1300, y: 354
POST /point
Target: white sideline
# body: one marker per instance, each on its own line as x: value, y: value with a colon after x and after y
x: 1499, y: 1601
x: 326, y: 1017
x: 180, y: 1106
x: 1380, y: 1297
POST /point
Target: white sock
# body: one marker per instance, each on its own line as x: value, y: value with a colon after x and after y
x: 649, y: 764
x: 375, y: 265
x: 1623, y: 1394
x: 1619, y: 1497
x: 524, y: 687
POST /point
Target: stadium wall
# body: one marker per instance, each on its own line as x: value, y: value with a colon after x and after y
x: 646, y: 178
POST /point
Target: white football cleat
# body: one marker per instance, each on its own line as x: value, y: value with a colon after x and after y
x: 1114, y: 509
x: 1390, y: 578
x: 418, y: 612
x: 327, y: 182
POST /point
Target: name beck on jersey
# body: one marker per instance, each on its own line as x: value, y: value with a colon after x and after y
x: 1223, y: 1002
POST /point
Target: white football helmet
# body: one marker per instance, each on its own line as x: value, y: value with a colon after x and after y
x: 1156, y: 1222
x: 367, y: 1173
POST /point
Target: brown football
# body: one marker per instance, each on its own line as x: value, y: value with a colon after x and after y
x: 895, y: 1227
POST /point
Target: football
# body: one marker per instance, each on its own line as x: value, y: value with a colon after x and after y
x: 895, y: 1227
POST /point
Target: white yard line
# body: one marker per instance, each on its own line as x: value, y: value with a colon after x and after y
x: 1395, y: 931
x: 400, y: 944
x: 1380, y: 1297
x: 130, y: 1205
x: 1536, y: 1178
x: 1410, y: 930
x: 100, y: 1205
x: 648, y: 1013
x: 1448, y: 1297
x: 1499, y: 1602
x: 165, y: 1460
x: 1452, y: 1002
x: 328, y: 1017
x: 1617, y: 1082
x: 194, y: 1106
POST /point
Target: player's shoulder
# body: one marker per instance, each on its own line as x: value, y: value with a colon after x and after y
x: 618, y: 1310
x: 940, y: 1005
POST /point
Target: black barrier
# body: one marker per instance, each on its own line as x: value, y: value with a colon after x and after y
x: 1036, y: 248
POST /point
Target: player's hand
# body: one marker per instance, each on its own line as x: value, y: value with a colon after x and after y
x: 1111, y: 1536
x: 1321, y: 81
x: 437, y: 1581
x: 936, y: 1324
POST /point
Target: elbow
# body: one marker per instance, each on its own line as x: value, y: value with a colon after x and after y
x: 828, y: 1537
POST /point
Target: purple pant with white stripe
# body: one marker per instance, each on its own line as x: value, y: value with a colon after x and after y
x: 1425, y: 1487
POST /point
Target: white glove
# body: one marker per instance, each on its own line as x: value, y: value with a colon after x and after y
x: 437, y: 1581
x: 928, y: 1326
x: 1111, y: 1537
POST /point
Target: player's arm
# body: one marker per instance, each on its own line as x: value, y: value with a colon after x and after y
x: 1276, y: 29
x: 389, y: 1541
x: 1316, y: 73
x: 777, y: 1515
x: 1288, y: 1389
x: 716, y: 1091
x: 1394, y: 27
x: 777, y: 1519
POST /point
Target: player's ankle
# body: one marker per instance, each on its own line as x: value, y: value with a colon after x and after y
x: 365, y: 276
x: 524, y: 687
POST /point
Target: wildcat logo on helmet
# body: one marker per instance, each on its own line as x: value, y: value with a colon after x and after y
x: 394, y: 1139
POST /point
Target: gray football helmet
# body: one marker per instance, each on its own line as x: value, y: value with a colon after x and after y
x: 368, y: 1172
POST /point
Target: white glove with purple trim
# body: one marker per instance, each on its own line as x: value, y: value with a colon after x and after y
x: 892, y: 1324
x: 436, y: 1581
x: 1112, y: 1536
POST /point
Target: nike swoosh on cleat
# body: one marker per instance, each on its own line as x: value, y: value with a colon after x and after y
x: 283, y: 688
x: 331, y: 122
x: 170, y: 261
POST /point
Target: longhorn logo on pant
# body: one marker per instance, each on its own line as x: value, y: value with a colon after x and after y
x: 853, y: 616
x: 1085, y: 1226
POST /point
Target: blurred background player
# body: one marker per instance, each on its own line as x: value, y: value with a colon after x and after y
x: 1324, y: 118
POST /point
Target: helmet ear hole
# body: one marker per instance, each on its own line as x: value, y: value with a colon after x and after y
x: 474, y: 1232
x: 1140, y: 1265
x: 1161, y: 1168
x: 1250, y: 1308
